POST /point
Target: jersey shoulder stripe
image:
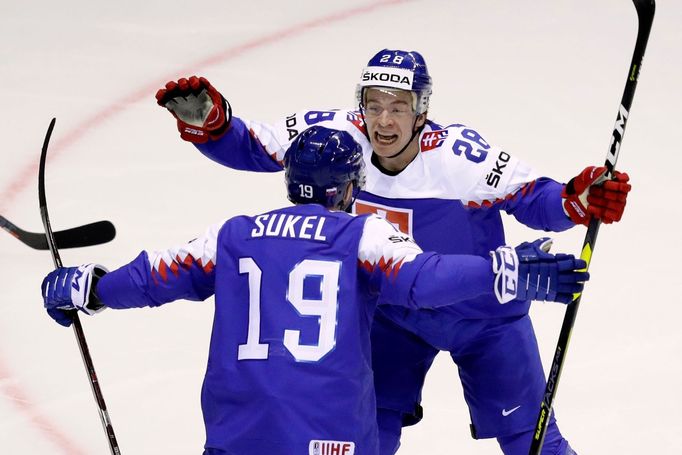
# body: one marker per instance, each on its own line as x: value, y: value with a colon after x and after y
x: 199, y: 253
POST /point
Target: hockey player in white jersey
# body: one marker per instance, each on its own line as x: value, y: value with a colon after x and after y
x: 445, y: 185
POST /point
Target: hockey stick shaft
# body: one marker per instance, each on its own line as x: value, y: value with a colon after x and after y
x: 77, y: 237
x: 77, y: 327
x: 645, y: 15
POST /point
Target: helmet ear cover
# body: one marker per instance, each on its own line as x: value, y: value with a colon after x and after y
x: 318, y: 166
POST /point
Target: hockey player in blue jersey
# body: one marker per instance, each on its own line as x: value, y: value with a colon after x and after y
x: 445, y: 185
x: 289, y: 368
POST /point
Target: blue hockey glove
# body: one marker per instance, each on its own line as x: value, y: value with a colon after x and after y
x: 72, y: 288
x: 530, y: 272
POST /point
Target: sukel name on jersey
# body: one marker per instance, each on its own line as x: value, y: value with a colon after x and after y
x: 289, y: 226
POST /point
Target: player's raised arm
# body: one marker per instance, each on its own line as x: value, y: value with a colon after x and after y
x: 541, y: 202
x: 545, y: 204
x: 151, y: 279
x: 204, y: 118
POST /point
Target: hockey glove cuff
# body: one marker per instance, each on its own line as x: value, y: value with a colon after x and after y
x: 506, y: 270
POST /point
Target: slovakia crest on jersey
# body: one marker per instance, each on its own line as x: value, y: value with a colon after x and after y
x: 433, y: 139
x: 356, y: 119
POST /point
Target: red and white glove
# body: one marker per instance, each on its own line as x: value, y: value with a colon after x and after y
x: 590, y: 194
x: 202, y: 112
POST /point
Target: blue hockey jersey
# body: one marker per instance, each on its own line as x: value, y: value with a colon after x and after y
x: 289, y: 367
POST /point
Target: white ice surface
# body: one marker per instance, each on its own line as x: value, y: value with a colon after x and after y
x: 542, y: 79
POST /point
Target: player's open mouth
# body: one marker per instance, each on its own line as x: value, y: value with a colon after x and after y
x: 385, y: 140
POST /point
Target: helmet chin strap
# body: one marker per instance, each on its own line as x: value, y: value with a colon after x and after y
x: 415, y: 132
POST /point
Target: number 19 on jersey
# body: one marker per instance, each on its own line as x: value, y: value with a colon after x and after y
x: 325, y: 308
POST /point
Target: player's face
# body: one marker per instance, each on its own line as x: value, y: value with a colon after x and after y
x: 390, y: 119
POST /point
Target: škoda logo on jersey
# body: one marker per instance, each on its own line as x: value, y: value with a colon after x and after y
x: 387, y: 77
x: 433, y: 139
x: 317, y: 447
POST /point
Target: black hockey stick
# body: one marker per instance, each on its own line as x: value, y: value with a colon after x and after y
x: 77, y: 328
x: 645, y: 15
x: 80, y: 236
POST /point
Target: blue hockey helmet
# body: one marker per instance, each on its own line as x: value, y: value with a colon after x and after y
x: 397, y: 69
x: 319, y: 164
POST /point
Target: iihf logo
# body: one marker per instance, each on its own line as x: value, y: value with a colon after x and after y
x: 320, y: 447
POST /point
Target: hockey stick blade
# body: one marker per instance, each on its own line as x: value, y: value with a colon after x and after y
x: 645, y: 16
x: 90, y: 234
x: 76, y: 324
